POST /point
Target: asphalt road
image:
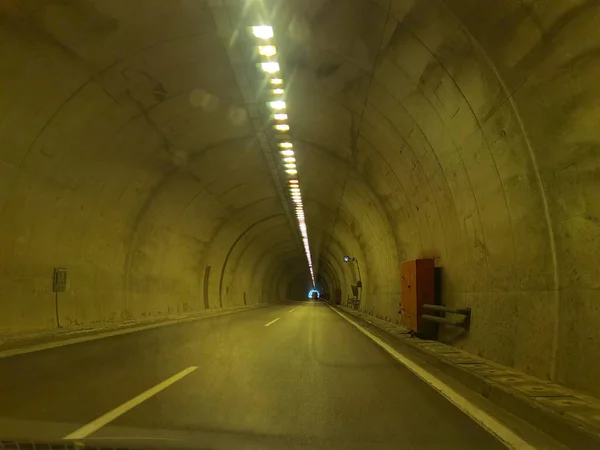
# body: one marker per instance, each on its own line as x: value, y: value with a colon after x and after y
x: 308, y: 380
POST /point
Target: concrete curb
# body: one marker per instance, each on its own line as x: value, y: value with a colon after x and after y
x: 19, y: 345
x: 569, y: 417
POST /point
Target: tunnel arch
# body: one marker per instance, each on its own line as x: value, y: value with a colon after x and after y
x: 233, y: 245
x: 444, y: 128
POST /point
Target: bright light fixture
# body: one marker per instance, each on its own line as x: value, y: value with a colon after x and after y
x: 270, y: 67
x: 267, y: 50
x: 263, y: 31
x: 277, y: 104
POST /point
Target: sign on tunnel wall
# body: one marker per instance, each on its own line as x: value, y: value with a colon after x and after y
x: 59, y: 280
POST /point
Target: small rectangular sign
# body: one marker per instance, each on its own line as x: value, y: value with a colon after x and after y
x: 59, y: 280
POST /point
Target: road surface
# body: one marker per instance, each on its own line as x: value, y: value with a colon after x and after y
x: 286, y: 376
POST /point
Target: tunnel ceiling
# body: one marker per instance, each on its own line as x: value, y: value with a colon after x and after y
x: 135, y: 152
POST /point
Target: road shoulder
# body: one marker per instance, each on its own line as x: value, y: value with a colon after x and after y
x: 567, y: 416
x: 29, y: 343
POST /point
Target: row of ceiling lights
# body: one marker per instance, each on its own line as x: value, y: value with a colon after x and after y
x: 269, y: 64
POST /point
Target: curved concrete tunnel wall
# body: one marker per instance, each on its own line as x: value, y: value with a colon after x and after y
x: 332, y: 281
x: 135, y: 169
x: 476, y: 139
x: 326, y: 282
x: 282, y: 270
x: 454, y: 129
x: 235, y: 274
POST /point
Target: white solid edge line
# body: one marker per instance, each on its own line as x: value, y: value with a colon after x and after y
x: 106, y: 334
x: 101, y: 421
x: 271, y: 322
x: 292, y: 310
x: 483, y: 419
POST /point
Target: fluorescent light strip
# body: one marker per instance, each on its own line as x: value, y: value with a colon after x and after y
x: 265, y: 32
x: 270, y: 67
x: 278, y: 104
x: 267, y: 50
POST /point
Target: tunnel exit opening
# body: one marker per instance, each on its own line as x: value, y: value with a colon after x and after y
x: 313, y: 293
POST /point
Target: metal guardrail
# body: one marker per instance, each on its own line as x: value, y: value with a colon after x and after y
x: 353, y: 303
x: 464, y: 323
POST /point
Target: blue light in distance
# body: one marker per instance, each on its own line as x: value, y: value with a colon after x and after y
x: 313, y: 291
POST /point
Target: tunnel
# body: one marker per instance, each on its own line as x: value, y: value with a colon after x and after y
x: 137, y: 151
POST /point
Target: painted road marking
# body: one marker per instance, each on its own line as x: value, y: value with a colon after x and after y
x: 101, y: 421
x: 483, y: 419
x: 125, y: 330
x: 271, y: 322
x: 292, y: 310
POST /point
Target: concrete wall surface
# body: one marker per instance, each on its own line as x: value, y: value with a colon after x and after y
x: 133, y: 152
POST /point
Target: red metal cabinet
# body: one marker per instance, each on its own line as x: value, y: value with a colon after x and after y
x: 418, y: 288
